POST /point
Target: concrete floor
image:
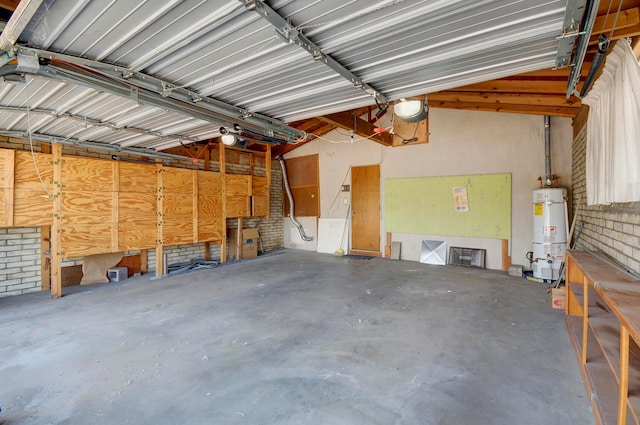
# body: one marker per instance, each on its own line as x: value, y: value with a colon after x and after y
x: 293, y: 338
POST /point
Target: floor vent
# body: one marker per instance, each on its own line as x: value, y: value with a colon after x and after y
x: 469, y: 257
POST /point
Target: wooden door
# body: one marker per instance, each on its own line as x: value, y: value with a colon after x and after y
x: 365, y: 210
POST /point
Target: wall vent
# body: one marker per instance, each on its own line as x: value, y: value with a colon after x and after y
x: 470, y: 257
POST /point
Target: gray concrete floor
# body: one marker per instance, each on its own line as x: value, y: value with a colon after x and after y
x: 293, y: 338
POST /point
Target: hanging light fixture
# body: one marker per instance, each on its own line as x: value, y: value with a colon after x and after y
x: 229, y: 139
x: 411, y: 110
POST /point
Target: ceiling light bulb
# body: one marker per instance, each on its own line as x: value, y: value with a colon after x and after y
x: 412, y: 110
x: 228, y: 139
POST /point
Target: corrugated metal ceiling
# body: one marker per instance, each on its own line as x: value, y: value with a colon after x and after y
x: 219, y: 49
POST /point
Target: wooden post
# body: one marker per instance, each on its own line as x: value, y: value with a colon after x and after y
x: 223, y: 170
x: 194, y: 184
x: 239, y: 244
x: 9, y: 178
x: 506, y: 258
x: 115, y: 215
x: 387, y: 247
x: 45, y: 258
x: 207, y: 167
x: 159, y: 242
x: 56, y: 228
x: 585, y: 319
x: 623, y: 393
x: 45, y: 244
x: 267, y: 166
x: 144, y: 259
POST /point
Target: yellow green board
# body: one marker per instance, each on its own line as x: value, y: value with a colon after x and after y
x: 426, y: 205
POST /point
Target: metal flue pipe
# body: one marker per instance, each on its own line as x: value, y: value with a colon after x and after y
x: 548, y: 179
x: 292, y: 217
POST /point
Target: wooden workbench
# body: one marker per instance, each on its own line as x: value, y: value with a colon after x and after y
x: 603, y: 319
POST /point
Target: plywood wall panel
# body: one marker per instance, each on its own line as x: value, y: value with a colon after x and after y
x: 178, y: 206
x: 86, y: 239
x: 238, y: 206
x: 177, y: 232
x: 87, y: 174
x: 137, y: 178
x: 5, y: 206
x: 210, y: 207
x: 211, y: 230
x: 260, y: 206
x: 237, y: 185
x: 136, y: 206
x: 177, y: 180
x: 7, y: 164
x: 86, y: 207
x: 139, y: 235
x: 32, y: 208
x: 259, y: 186
x: 210, y: 183
x: 27, y: 176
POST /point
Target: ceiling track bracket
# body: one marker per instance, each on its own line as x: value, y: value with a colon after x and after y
x: 291, y: 34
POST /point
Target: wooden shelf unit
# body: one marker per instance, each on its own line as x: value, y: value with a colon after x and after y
x: 603, y: 320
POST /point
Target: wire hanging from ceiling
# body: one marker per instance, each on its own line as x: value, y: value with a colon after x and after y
x: 33, y: 155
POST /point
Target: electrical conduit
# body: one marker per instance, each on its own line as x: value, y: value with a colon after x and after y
x: 303, y: 235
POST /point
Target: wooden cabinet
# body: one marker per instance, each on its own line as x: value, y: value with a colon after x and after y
x: 603, y: 320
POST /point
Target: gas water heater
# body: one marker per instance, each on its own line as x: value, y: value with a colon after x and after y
x: 549, y: 232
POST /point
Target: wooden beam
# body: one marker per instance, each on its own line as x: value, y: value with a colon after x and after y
x: 305, y: 125
x: 348, y: 121
x: 9, y: 4
x: 283, y: 149
x: 505, y: 98
x: 516, y: 86
x: 555, y: 111
x: 627, y: 24
x: 550, y: 73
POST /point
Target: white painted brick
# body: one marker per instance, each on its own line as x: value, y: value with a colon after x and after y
x: 19, y: 286
x: 21, y: 275
x: 9, y: 271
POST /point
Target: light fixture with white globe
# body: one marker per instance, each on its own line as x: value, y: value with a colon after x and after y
x: 411, y: 110
x: 229, y: 139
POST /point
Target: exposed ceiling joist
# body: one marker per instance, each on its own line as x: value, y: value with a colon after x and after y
x: 9, y: 4
x: 516, y: 109
x: 349, y: 121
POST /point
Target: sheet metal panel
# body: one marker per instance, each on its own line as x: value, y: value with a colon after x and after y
x: 219, y: 49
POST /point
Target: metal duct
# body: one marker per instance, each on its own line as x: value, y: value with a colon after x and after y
x: 303, y: 235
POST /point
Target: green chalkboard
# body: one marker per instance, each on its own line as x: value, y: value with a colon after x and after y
x: 427, y: 205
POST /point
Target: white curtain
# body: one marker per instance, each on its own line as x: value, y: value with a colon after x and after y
x: 613, y: 130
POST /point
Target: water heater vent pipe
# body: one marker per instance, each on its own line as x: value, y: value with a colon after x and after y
x: 548, y: 180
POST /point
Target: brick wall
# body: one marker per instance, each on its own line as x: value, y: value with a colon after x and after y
x: 19, y: 260
x: 20, y: 247
x: 613, y: 229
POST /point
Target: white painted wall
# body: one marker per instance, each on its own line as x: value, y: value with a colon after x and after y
x: 460, y: 142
